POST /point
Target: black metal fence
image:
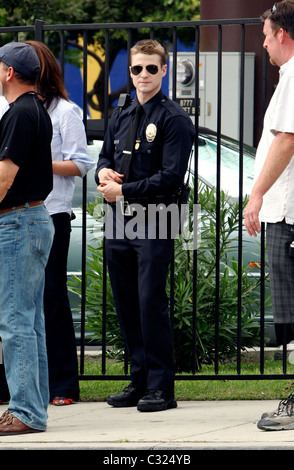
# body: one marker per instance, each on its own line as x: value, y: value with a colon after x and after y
x: 67, y: 35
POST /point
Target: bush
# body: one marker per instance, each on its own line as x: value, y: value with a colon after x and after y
x: 212, y: 310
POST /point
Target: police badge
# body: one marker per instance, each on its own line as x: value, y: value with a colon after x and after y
x: 151, y: 132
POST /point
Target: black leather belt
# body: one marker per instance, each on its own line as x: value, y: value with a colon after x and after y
x: 21, y: 206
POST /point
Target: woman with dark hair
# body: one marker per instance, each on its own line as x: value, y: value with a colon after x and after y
x: 69, y: 159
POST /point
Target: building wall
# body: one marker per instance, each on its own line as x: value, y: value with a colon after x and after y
x: 231, y: 42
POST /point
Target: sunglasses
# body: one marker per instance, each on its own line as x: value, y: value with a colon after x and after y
x: 273, y: 9
x: 137, y: 69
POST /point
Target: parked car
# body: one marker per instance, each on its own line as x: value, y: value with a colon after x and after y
x: 207, y: 157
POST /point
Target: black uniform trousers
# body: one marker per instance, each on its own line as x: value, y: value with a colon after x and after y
x: 138, y: 270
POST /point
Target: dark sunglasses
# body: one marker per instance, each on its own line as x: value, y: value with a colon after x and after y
x: 273, y: 9
x: 137, y: 69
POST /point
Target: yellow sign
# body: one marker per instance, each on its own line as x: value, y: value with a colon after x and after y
x: 93, y: 71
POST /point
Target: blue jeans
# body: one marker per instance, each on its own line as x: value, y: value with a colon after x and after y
x: 25, y: 241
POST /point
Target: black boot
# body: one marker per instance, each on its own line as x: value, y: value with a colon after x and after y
x: 128, y: 397
x: 157, y: 400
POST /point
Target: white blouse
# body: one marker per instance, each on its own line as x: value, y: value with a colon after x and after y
x: 69, y: 142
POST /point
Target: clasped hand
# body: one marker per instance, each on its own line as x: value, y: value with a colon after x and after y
x: 110, y: 184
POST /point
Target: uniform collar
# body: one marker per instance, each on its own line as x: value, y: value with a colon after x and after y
x: 149, y: 105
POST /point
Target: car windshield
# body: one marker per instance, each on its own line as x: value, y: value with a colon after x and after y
x: 230, y: 167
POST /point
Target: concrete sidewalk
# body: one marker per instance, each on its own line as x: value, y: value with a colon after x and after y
x: 194, y: 425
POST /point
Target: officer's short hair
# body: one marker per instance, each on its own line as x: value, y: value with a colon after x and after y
x: 149, y: 47
x: 281, y: 15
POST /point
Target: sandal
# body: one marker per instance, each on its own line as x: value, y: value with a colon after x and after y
x: 60, y: 401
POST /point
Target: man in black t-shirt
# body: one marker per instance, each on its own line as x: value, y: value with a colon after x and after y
x: 25, y: 131
x: 26, y: 234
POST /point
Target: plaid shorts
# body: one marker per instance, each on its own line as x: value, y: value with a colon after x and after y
x: 281, y: 268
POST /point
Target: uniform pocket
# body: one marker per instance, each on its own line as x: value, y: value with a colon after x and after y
x: 146, y: 160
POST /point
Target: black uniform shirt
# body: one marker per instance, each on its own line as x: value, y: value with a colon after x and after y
x: 158, y: 165
x: 25, y: 138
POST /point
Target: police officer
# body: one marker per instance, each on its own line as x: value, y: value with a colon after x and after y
x: 145, y: 174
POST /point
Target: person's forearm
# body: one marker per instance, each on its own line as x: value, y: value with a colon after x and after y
x: 65, y: 168
x: 279, y: 156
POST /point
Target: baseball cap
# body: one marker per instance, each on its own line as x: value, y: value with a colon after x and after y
x: 21, y: 57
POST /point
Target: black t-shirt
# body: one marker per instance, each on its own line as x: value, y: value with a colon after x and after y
x: 25, y: 138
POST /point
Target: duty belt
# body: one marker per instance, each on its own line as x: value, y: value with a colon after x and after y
x: 125, y: 206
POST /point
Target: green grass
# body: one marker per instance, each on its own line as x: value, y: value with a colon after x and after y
x: 98, y: 390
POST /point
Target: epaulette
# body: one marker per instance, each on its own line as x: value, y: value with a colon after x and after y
x: 172, y: 106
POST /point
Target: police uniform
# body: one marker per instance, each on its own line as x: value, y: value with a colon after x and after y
x: 138, y: 267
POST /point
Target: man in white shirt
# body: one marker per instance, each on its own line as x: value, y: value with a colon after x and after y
x: 272, y: 197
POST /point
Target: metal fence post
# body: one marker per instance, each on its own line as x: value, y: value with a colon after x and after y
x: 39, y: 32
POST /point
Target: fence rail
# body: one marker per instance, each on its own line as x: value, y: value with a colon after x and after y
x: 40, y: 31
